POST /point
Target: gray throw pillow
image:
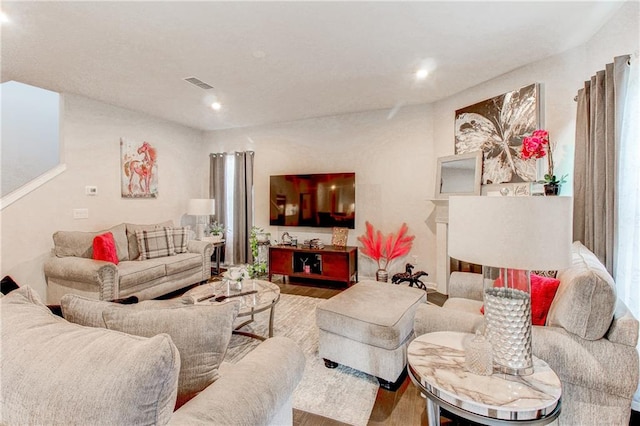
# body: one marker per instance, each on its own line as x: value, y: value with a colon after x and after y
x: 80, y: 244
x: 586, y: 298
x: 200, y: 332
x: 88, y: 312
x: 57, y: 372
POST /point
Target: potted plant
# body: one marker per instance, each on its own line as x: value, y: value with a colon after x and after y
x: 537, y: 146
x: 216, y: 230
x: 259, y: 267
x: 383, y: 249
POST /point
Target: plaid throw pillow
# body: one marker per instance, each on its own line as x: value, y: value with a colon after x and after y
x: 155, y: 243
x: 180, y: 239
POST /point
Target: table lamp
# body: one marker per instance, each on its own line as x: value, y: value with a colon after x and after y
x: 201, y: 207
x: 510, y: 236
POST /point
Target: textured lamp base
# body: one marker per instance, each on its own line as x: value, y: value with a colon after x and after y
x: 508, y: 328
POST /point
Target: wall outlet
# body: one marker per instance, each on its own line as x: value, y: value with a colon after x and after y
x: 80, y: 213
x: 91, y: 190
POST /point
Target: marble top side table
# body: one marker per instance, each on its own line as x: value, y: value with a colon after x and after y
x: 436, y: 366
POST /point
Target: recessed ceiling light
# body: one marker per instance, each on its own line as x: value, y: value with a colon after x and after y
x: 216, y: 106
x: 422, y: 73
x: 4, y: 19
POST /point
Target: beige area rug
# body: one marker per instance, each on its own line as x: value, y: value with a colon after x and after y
x: 342, y: 393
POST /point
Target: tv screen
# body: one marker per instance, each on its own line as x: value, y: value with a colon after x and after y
x: 317, y: 200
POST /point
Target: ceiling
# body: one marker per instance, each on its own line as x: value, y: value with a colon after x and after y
x: 273, y: 62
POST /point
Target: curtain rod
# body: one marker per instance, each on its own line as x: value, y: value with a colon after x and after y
x: 632, y: 55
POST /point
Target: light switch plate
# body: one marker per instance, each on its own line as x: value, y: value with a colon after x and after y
x: 91, y: 190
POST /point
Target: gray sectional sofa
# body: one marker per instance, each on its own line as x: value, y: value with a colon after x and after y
x: 589, y: 339
x: 153, y: 363
x: 71, y: 268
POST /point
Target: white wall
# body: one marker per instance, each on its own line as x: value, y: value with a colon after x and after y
x: 91, y: 138
x: 30, y: 132
x: 390, y: 157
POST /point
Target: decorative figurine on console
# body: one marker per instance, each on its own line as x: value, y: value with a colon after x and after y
x: 408, y: 276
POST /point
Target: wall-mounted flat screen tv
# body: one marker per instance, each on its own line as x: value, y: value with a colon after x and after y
x: 316, y: 200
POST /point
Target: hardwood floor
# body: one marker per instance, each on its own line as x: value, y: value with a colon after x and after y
x: 403, y: 407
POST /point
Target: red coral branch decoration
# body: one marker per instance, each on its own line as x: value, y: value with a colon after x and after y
x: 372, y: 243
x: 385, y: 249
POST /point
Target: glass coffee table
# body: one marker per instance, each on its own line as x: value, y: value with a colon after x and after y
x: 266, y: 297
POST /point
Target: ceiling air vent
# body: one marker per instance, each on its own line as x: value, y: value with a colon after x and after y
x: 197, y: 82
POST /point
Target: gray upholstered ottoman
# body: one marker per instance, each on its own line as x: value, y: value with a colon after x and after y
x: 368, y: 327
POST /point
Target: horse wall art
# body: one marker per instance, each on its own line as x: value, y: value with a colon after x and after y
x: 139, y: 172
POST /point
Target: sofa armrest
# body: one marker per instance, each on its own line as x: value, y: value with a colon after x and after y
x: 206, y: 250
x: 624, y: 327
x: 432, y: 318
x: 601, y: 365
x: 251, y: 392
x: 97, y: 273
x: 465, y: 285
x: 202, y: 247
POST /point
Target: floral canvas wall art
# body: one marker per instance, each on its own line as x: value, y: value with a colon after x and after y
x: 497, y: 126
x: 139, y: 169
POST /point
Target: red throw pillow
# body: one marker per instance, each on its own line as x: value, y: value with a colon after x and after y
x: 104, y: 248
x: 543, y: 290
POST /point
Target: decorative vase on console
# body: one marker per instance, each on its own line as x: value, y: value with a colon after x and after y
x: 382, y: 275
x: 537, y: 146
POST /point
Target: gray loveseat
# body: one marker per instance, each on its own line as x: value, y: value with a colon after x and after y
x: 71, y: 268
x: 121, y: 371
x: 589, y: 338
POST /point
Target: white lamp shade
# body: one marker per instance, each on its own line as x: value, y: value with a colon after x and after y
x: 201, y: 207
x: 530, y: 233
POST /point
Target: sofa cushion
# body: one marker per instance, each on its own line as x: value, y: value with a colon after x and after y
x: 57, y: 372
x: 104, y: 248
x: 586, y: 298
x: 133, y: 272
x: 200, y: 332
x: 182, y: 262
x: 80, y: 244
x: 133, y: 250
x: 155, y: 243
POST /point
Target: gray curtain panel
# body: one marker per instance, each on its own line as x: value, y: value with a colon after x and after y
x: 242, y: 209
x: 596, y: 158
x: 217, y: 184
x: 242, y: 206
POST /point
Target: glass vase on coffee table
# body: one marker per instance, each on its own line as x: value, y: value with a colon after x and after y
x: 510, y: 236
